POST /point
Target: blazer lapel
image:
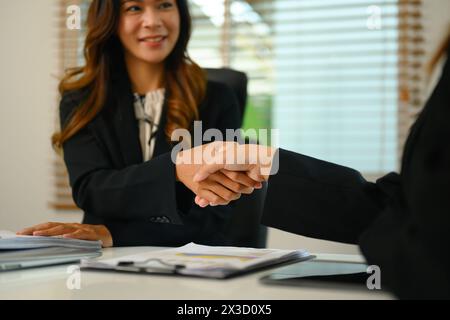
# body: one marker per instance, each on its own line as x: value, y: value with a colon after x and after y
x: 124, y: 121
x: 161, y: 144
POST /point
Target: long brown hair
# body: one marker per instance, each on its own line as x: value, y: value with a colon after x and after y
x: 440, y: 52
x: 185, y: 81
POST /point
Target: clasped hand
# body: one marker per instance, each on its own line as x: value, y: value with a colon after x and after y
x: 220, y: 172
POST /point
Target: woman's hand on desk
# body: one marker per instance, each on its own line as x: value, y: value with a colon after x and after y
x: 71, y: 230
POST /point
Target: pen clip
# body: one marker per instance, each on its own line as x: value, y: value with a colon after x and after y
x: 147, y: 266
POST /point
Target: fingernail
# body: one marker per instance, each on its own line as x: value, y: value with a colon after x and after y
x: 202, y: 203
x: 258, y: 186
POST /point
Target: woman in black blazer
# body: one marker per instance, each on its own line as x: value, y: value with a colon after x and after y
x: 133, y: 48
x: 401, y: 223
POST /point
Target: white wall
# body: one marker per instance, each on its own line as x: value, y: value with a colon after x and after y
x: 28, y: 106
x: 436, y: 23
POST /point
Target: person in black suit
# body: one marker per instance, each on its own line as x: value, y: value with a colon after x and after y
x: 118, y: 114
x: 401, y: 223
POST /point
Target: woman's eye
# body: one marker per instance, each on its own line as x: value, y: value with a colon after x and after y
x: 166, y: 5
x: 133, y: 9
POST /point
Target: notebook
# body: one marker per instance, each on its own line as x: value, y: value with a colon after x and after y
x: 18, y: 252
x: 200, y: 261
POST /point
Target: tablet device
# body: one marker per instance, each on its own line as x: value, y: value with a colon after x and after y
x: 319, y: 273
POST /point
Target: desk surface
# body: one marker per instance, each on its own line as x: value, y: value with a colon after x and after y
x: 51, y: 283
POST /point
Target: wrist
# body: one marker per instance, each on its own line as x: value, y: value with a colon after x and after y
x: 178, y: 165
x: 267, y: 164
x: 177, y: 177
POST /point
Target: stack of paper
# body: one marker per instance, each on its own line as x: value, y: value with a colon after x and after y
x: 10, y: 241
x: 201, y: 261
x: 17, y: 252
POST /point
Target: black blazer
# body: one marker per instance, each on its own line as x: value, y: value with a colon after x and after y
x: 401, y: 222
x: 113, y: 186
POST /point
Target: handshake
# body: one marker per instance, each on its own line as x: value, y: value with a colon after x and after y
x: 220, y: 172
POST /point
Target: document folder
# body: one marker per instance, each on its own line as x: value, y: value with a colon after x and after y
x: 200, y: 261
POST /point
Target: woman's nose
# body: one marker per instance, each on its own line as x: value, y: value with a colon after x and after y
x: 151, y: 19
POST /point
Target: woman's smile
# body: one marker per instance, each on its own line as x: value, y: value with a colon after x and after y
x: 153, y: 41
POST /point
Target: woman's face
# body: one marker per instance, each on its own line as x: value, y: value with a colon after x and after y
x: 149, y: 29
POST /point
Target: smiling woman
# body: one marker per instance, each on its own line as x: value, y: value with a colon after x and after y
x: 137, y: 80
x: 119, y: 26
x: 148, y: 32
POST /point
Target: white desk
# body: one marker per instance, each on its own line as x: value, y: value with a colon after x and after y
x: 50, y: 283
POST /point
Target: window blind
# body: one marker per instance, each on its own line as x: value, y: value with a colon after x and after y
x: 69, y: 55
x: 341, y: 80
x: 412, y: 75
x: 338, y: 78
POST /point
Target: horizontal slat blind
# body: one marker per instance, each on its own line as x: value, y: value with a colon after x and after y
x: 336, y: 117
x: 334, y: 85
x: 69, y: 55
x: 412, y: 82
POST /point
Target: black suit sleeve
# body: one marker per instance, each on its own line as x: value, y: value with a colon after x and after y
x: 108, y: 193
x: 323, y: 200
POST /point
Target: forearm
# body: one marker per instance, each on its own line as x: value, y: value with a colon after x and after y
x: 319, y: 199
x: 136, y: 192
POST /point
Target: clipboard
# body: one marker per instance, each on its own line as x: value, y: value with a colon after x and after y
x: 200, y: 261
